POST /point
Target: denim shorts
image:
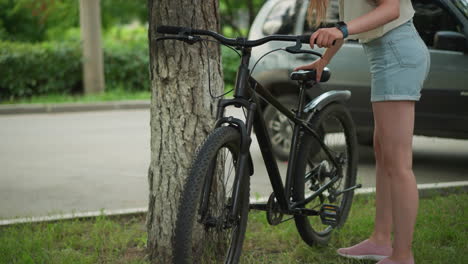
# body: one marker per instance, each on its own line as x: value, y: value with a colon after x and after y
x: 399, y: 64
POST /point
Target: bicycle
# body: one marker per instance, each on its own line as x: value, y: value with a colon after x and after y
x: 215, y: 207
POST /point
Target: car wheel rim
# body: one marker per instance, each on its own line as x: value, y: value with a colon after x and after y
x: 281, y: 132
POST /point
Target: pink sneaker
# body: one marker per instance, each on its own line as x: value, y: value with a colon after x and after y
x: 366, y: 250
x: 389, y: 261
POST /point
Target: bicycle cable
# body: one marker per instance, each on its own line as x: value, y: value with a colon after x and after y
x: 264, y: 55
x: 208, y: 64
x: 253, y: 68
x: 202, y: 40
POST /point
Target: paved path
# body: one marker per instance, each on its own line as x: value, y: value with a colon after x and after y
x: 87, y: 161
x: 53, y: 163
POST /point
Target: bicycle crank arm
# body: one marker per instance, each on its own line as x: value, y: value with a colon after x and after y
x: 347, y: 190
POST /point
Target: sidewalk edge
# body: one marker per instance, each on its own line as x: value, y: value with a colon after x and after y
x: 73, y: 107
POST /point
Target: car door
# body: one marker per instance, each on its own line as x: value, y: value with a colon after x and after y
x: 443, y: 108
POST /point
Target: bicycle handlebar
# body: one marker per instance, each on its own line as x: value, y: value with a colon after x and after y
x: 239, y: 42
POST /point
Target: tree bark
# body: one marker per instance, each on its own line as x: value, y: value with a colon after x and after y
x: 182, y: 111
x: 93, y: 59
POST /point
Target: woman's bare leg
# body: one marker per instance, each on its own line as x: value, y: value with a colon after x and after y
x: 395, y: 125
x: 383, y: 216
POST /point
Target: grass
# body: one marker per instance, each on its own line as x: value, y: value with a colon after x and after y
x: 112, y: 95
x: 441, y: 236
x: 99, y: 240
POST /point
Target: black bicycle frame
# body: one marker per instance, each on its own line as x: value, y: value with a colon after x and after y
x: 244, y: 97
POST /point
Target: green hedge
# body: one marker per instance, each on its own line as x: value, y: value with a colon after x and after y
x: 230, y: 61
x: 36, y: 69
x: 55, y: 68
x: 126, y: 68
x: 126, y: 59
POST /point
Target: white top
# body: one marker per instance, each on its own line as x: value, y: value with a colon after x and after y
x: 351, y: 9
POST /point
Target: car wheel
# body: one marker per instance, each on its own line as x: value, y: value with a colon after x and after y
x: 279, y: 127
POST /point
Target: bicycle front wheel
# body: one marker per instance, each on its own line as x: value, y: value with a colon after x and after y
x: 205, y: 232
x: 336, y: 129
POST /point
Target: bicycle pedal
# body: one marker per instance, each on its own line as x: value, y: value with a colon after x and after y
x: 330, y: 214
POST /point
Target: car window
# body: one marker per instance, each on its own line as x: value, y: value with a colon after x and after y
x: 282, y: 18
x: 431, y: 17
x: 330, y: 20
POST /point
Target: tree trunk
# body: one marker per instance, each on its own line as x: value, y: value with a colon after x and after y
x: 182, y: 111
x: 93, y: 60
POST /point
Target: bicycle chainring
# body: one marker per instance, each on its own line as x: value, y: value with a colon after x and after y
x: 273, y: 213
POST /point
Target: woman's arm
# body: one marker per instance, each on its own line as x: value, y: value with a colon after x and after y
x: 331, y: 51
x: 319, y: 64
x: 385, y: 12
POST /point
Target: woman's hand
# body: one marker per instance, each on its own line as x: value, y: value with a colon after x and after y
x: 325, y: 37
x: 317, y: 65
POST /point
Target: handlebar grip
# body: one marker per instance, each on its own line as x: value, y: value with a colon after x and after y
x: 172, y: 30
x: 305, y: 39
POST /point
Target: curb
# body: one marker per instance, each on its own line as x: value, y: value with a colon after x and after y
x: 73, y: 107
x: 425, y: 191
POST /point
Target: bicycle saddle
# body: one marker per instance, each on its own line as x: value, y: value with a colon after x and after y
x: 309, y: 75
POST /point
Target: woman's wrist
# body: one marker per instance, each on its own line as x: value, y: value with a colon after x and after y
x: 330, y: 52
x: 326, y: 60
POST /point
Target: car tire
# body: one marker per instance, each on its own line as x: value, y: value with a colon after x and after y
x: 279, y: 127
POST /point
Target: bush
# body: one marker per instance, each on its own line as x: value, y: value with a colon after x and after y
x: 126, y: 68
x: 55, y: 67
x: 230, y: 61
x: 36, y: 69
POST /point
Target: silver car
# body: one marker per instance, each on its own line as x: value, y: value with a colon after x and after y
x: 443, y: 108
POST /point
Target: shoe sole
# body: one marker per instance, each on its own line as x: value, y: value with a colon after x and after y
x: 364, y: 257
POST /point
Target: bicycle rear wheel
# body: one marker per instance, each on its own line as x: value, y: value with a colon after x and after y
x: 204, y: 231
x: 314, y: 169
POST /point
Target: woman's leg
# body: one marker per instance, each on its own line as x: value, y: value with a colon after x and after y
x: 378, y: 246
x: 395, y: 125
x: 383, y: 216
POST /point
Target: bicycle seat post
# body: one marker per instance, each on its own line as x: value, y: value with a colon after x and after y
x: 303, y: 85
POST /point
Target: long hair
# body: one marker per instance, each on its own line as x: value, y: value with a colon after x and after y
x: 317, y: 11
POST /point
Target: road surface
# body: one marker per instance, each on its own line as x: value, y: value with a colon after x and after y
x: 87, y: 161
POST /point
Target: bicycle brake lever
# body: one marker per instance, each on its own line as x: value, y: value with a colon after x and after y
x: 297, y: 50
